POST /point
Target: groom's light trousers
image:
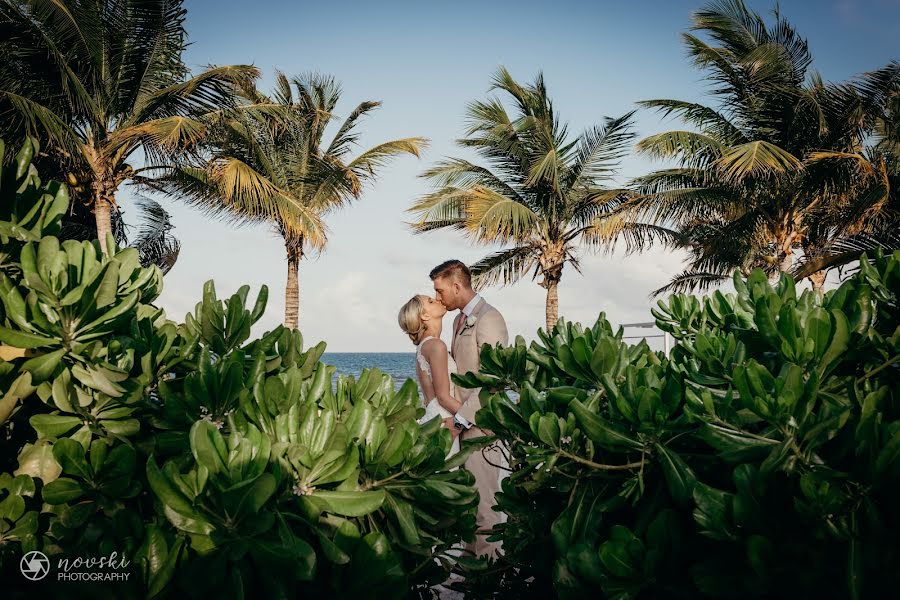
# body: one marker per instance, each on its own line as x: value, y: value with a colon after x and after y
x: 487, y: 480
x: 485, y: 325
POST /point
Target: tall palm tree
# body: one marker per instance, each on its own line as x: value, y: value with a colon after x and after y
x: 99, y: 80
x: 276, y: 167
x: 751, y: 183
x: 538, y: 191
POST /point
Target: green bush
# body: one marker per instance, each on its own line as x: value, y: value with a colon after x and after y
x: 760, y: 459
x: 215, y: 463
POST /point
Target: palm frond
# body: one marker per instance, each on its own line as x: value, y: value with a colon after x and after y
x: 318, y: 93
x: 831, y: 157
x: 366, y: 163
x: 233, y: 190
x: 456, y: 172
x: 154, y: 40
x: 42, y: 122
x: 719, y: 61
x: 205, y: 93
x: 444, y: 208
x: 756, y: 159
x: 848, y: 250
x: 703, y: 117
x: 49, y: 30
x: 691, y: 149
x: 162, y: 136
x: 504, y: 267
x: 491, y: 217
x: 524, y: 98
x: 597, y: 203
x: 605, y: 233
x: 600, y: 151
x: 283, y: 94
x: 690, y: 281
x: 546, y: 170
x: 346, y: 138
x: 154, y: 241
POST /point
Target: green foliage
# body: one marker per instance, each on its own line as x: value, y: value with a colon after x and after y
x: 29, y: 208
x: 216, y: 463
x: 759, y: 459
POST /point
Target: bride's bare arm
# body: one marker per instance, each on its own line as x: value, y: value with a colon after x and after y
x: 436, y: 353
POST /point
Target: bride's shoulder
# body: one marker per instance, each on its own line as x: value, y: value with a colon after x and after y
x: 433, y: 345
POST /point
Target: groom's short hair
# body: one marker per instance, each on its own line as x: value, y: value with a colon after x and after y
x: 452, y: 268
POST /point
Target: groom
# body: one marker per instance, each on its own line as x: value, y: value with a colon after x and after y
x: 477, y: 323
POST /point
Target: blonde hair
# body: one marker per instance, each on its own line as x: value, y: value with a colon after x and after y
x: 410, y: 319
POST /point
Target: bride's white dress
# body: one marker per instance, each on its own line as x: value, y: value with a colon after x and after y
x: 433, y: 408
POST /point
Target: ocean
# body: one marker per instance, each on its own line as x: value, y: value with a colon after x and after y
x: 399, y: 365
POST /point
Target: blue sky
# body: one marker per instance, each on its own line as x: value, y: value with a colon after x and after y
x: 425, y: 61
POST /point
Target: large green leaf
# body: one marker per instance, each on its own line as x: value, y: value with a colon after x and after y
x: 208, y: 447
x: 679, y: 476
x: 62, y: 490
x: 351, y: 503
x: 51, y: 426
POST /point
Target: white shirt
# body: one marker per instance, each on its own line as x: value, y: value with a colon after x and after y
x: 470, y: 307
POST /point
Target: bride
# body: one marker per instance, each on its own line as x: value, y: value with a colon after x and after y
x: 421, y: 319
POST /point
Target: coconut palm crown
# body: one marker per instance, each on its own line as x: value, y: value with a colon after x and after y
x: 773, y: 172
x: 99, y: 81
x: 537, y: 190
x: 278, y: 167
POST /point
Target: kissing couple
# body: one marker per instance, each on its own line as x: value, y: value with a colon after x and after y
x: 476, y: 324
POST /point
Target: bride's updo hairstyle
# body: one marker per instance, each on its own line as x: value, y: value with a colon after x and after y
x: 410, y: 319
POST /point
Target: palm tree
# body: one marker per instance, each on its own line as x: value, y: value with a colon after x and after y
x: 102, y: 80
x: 276, y: 167
x: 866, y: 214
x: 538, y: 192
x: 752, y: 185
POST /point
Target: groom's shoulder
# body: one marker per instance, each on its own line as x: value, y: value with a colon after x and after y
x: 488, y: 309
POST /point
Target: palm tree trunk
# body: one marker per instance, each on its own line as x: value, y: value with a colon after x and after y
x: 292, y: 291
x: 103, y: 218
x: 787, y: 249
x: 552, y: 308
x: 818, y: 281
x: 786, y: 263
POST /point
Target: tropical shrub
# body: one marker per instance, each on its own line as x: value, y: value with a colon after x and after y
x: 215, y: 463
x: 760, y: 459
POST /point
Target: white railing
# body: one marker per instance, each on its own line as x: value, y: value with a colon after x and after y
x: 667, y: 339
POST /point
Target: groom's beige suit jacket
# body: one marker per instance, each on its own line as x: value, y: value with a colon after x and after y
x: 484, y: 326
